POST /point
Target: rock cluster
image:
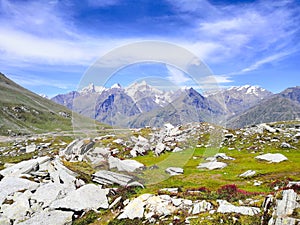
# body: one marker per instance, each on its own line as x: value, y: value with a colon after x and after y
x: 43, y: 191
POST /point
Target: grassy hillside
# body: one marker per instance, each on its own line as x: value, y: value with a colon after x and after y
x: 24, y: 112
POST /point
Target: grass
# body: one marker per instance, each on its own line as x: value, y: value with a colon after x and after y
x: 193, y: 177
x: 83, y: 169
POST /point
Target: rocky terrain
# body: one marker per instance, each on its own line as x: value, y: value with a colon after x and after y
x: 196, y: 173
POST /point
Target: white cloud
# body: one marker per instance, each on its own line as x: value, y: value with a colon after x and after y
x: 176, y: 76
x: 40, y: 81
x: 266, y: 60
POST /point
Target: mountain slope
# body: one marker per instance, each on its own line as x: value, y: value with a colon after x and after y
x: 277, y: 108
x: 239, y: 99
x: 190, y: 106
x: 24, y: 112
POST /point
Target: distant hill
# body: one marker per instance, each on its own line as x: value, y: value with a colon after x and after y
x: 280, y: 107
x: 24, y: 112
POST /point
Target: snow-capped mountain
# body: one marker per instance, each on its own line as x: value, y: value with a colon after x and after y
x: 147, y: 97
x: 122, y: 106
x: 239, y: 99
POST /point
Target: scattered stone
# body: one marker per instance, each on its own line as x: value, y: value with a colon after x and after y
x: 285, y: 145
x: 276, y: 157
x: 173, y: 171
x: 177, y: 149
x: 223, y: 156
x: 173, y: 191
x: 212, y: 165
x: 248, y: 173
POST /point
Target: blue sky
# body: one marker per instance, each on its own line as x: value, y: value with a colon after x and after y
x: 47, y: 46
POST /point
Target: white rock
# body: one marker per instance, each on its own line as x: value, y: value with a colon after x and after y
x: 88, y: 197
x: 160, y: 147
x: 177, y: 149
x: 30, y: 148
x: 135, y: 209
x: 173, y: 171
x: 19, y: 209
x: 102, y: 151
x: 128, y: 165
x: 276, y: 157
x: 202, y: 206
x: 212, y: 165
x: 24, y: 167
x: 223, y: 156
x: 248, y: 173
x: 47, y: 193
x: 9, y: 185
x: 226, y: 207
x: 49, y: 217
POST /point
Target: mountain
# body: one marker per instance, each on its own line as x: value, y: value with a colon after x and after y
x: 292, y: 93
x: 114, y: 107
x: 190, y: 106
x: 280, y: 107
x: 23, y: 112
x: 239, y: 99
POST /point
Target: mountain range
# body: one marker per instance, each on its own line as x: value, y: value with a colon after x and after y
x: 142, y: 105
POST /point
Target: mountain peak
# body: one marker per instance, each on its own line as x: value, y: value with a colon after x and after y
x: 117, y: 85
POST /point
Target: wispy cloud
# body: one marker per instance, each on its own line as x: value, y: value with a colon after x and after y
x: 177, y: 76
x: 269, y: 59
x: 40, y: 81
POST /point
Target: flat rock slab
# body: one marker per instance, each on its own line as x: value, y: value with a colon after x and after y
x: 128, y: 165
x: 272, y: 158
x: 24, y: 167
x: 226, y: 207
x: 173, y: 171
x: 9, y: 185
x: 88, y: 197
x: 108, y: 178
x: 49, y: 217
x: 212, y: 165
x: 248, y: 173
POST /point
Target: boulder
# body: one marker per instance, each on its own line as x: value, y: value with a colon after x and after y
x: 49, y: 217
x: 177, y: 149
x: 248, y: 173
x: 285, y: 145
x: 160, y: 147
x: 88, y: 197
x: 135, y: 209
x: 127, y: 165
x: 202, y: 206
x: 19, y: 209
x: 10, y: 185
x: 47, y: 193
x: 24, y: 167
x: 212, y: 165
x: 226, y: 207
x: 223, y: 156
x: 276, y: 157
x: 30, y: 148
x: 108, y: 178
x: 101, y: 151
x: 173, y: 171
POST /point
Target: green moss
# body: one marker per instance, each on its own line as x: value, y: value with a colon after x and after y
x: 83, y: 169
